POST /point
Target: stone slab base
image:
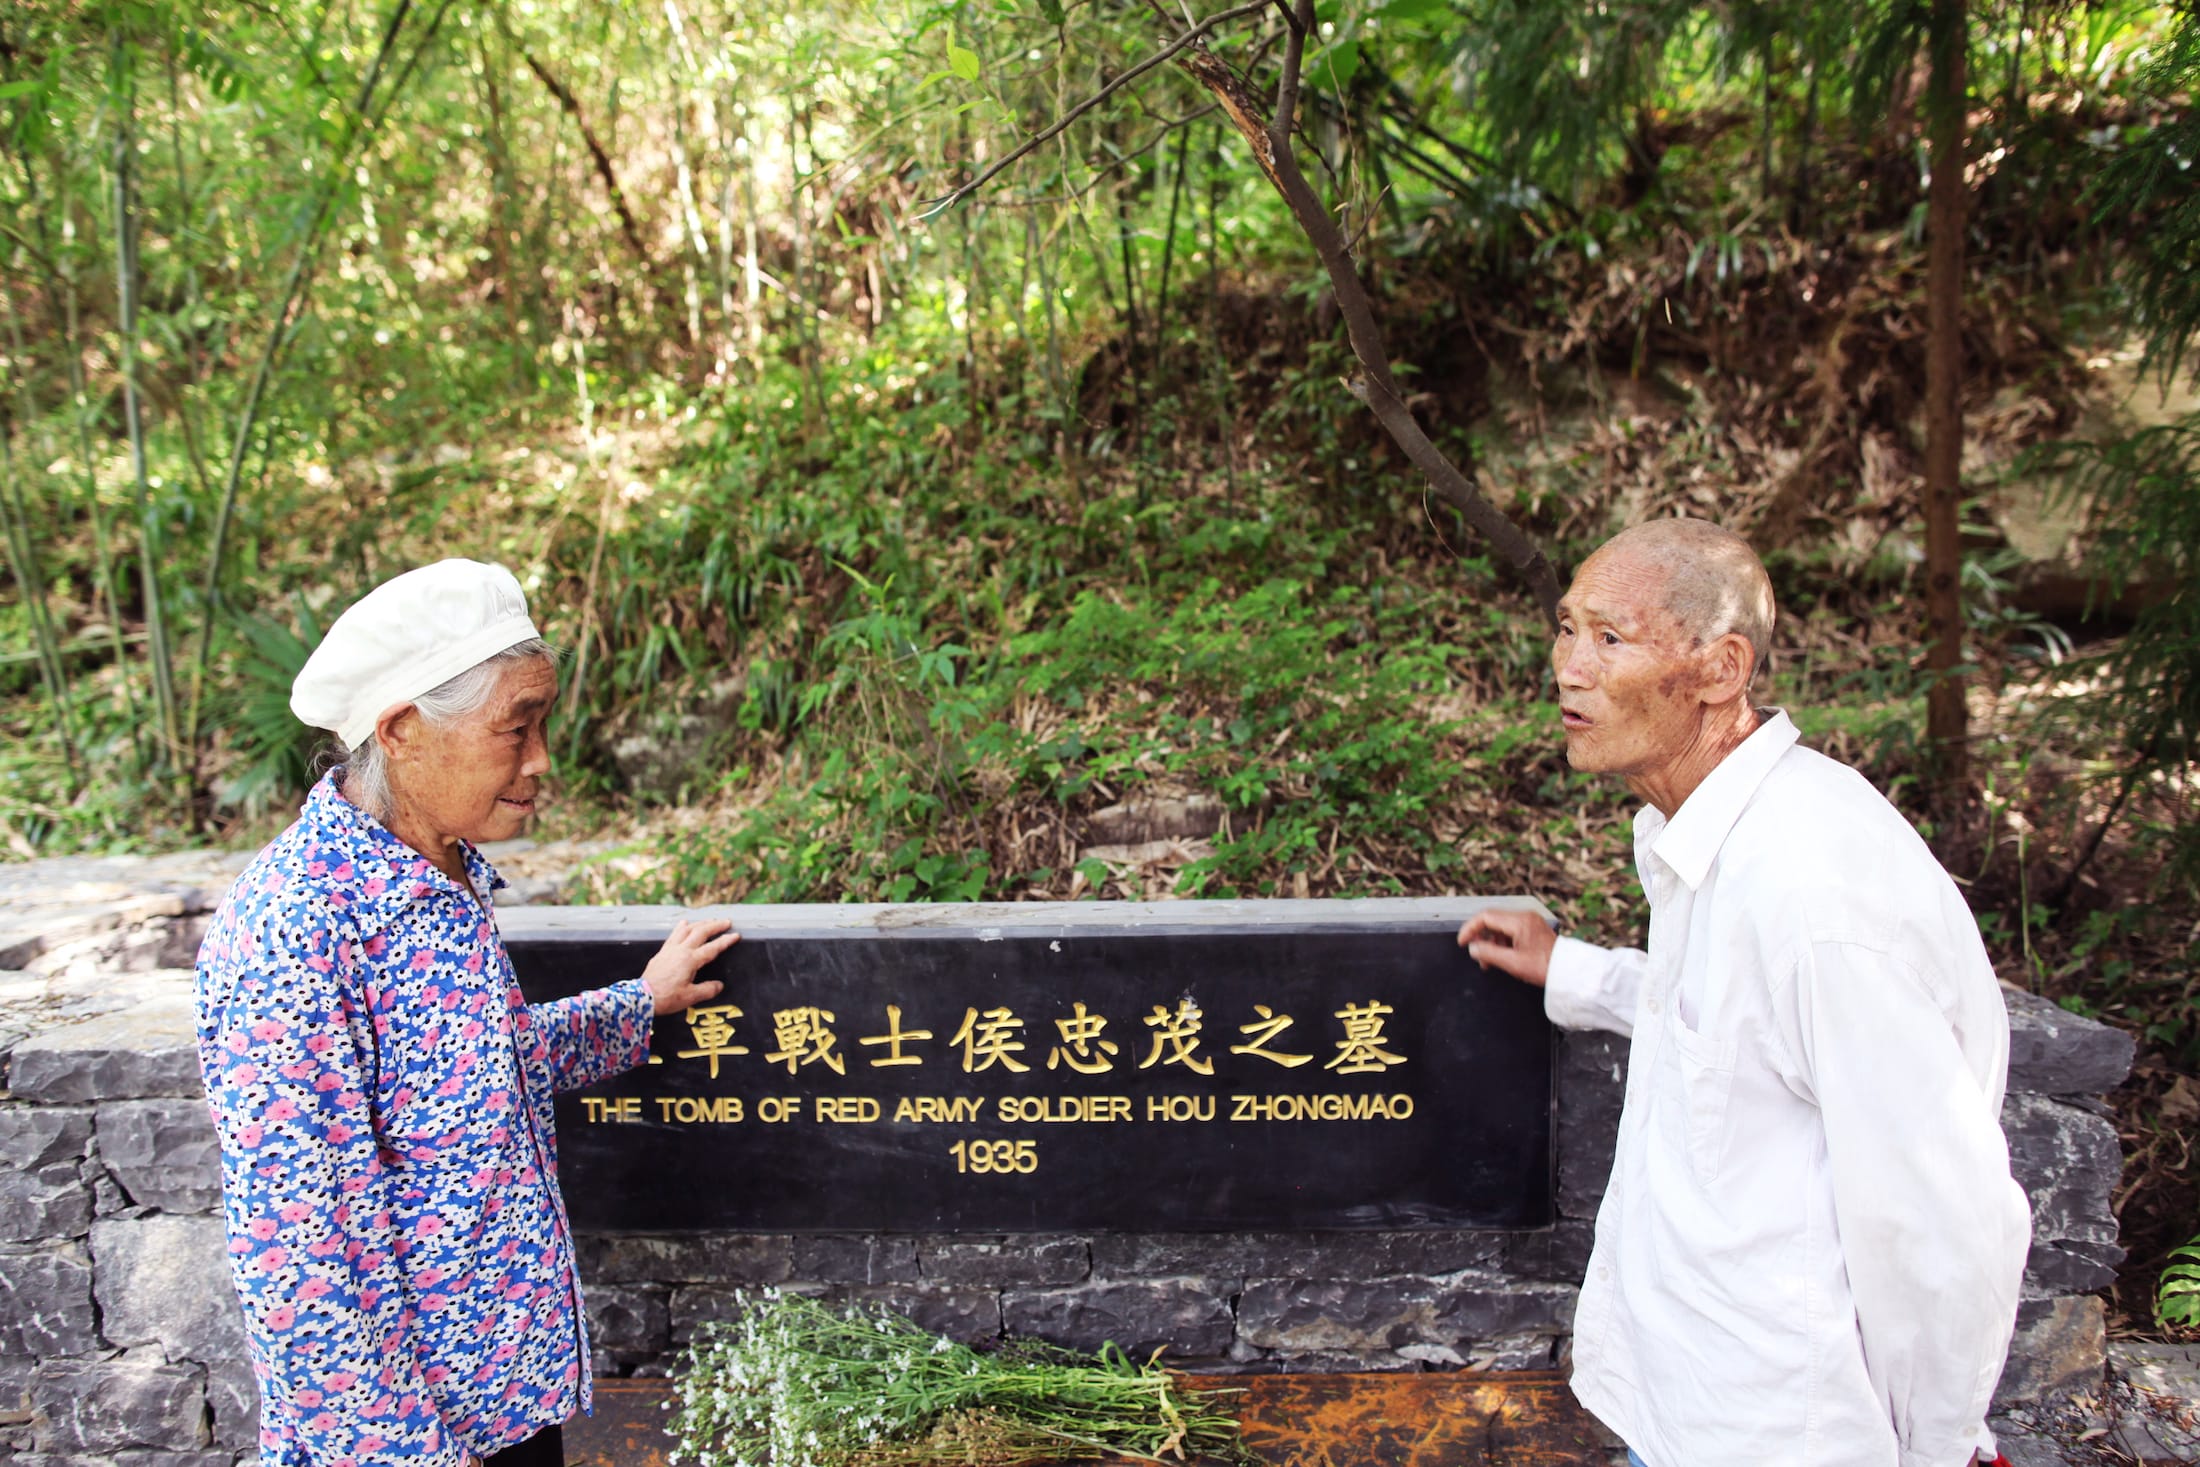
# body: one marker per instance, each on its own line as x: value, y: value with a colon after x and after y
x: 1342, y: 1420
x: 1469, y: 1418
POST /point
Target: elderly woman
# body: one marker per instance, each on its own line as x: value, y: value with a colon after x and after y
x: 382, y: 1091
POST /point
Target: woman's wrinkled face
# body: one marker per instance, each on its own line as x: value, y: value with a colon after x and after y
x: 476, y: 778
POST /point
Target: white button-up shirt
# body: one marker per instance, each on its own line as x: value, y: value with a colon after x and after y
x: 1811, y: 1245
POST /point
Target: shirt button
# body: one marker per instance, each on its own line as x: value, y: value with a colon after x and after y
x: 1654, y: 1004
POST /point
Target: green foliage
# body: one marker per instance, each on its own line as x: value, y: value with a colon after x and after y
x: 2148, y: 190
x: 1552, y: 123
x: 1250, y: 658
x: 2143, y: 494
x: 2177, y: 1302
x: 272, y: 751
x: 798, y: 1380
x: 448, y: 239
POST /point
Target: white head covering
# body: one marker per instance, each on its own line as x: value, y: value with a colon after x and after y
x: 408, y: 636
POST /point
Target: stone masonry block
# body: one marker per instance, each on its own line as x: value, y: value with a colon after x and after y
x: 1558, y: 1254
x: 143, y: 1051
x: 694, y: 1309
x: 831, y: 1259
x: 108, y: 1198
x: 1246, y: 1360
x: 233, y: 1399
x: 34, y: 1136
x: 52, y: 1202
x: 2060, y: 1349
x: 1291, y: 1255
x: 1000, y: 1262
x: 15, y: 1390
x: 1591, y: 1082
x: 717, y: 1258
x: 972, y: 1316
x: 1190, y: 1318
x: 2054, y: 1052
x: 631, y: 1321
x: 165, y: 1281
x: 46, y: 1300
x: 163, y: 1152
x: 1532, y: 1350
x: 1349, y: 1315
x: 2067, y: 1159
x: 2063, y: 1267
x: 111, y: 1405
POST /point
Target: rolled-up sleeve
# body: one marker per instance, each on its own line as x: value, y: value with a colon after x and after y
x: 592, y: 1036
x: 1933, y: 1228
x: 308, y: 1201
x: 1591, y: 987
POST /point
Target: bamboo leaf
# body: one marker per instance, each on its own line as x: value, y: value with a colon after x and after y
x: 1340, y: 63
x: 1410, y: 12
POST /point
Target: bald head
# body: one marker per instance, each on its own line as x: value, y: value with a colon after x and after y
x: 1713, y: 583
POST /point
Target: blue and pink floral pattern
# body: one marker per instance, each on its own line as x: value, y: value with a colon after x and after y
x: 389, y: 1167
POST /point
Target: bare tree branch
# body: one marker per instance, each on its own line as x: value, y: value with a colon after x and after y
x: 1268, y: 135
x: 1374, y: 384
x: 1104, y: 173
x: 604, y: 170
x: 1031, y: 145
x: 1286, y: 120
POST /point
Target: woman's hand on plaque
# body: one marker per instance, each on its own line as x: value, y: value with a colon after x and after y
x: 671, y: 973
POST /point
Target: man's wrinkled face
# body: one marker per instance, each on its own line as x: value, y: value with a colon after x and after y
x: 1628, y: 675
x: 479, y: 777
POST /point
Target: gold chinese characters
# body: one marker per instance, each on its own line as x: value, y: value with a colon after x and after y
x: 993, y: 1039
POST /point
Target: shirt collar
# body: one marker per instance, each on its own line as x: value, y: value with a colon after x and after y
x: 384, y: 875
x: 1690, y: 841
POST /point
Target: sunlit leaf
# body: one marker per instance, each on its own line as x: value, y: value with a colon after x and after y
x: 1339, y: 63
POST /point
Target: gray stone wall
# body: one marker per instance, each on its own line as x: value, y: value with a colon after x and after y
x: 120, y: 1341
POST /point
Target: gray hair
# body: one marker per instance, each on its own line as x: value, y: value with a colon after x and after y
x: 366, y: 776
x: 1714, y: 582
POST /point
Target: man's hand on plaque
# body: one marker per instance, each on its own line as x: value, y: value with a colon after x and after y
x: 671, y: 973
x: 1518, y: 943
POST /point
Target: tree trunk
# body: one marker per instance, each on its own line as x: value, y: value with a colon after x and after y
x: 504, y: 220
x: 22, y: 558
x: 150, y: 549
x: 1946, y: 720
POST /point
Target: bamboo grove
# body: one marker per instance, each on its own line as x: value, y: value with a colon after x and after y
x: 244, y: 246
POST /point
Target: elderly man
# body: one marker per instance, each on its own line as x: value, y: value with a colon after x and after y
x: 1810, y: 1247
x: 381, y: 1090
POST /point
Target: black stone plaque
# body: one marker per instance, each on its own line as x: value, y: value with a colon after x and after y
x: 1172, y: 1066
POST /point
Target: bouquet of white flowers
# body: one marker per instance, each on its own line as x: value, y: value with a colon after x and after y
x: 798, y: 1383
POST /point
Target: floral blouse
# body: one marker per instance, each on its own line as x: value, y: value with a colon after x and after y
x: 389, y: 1168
